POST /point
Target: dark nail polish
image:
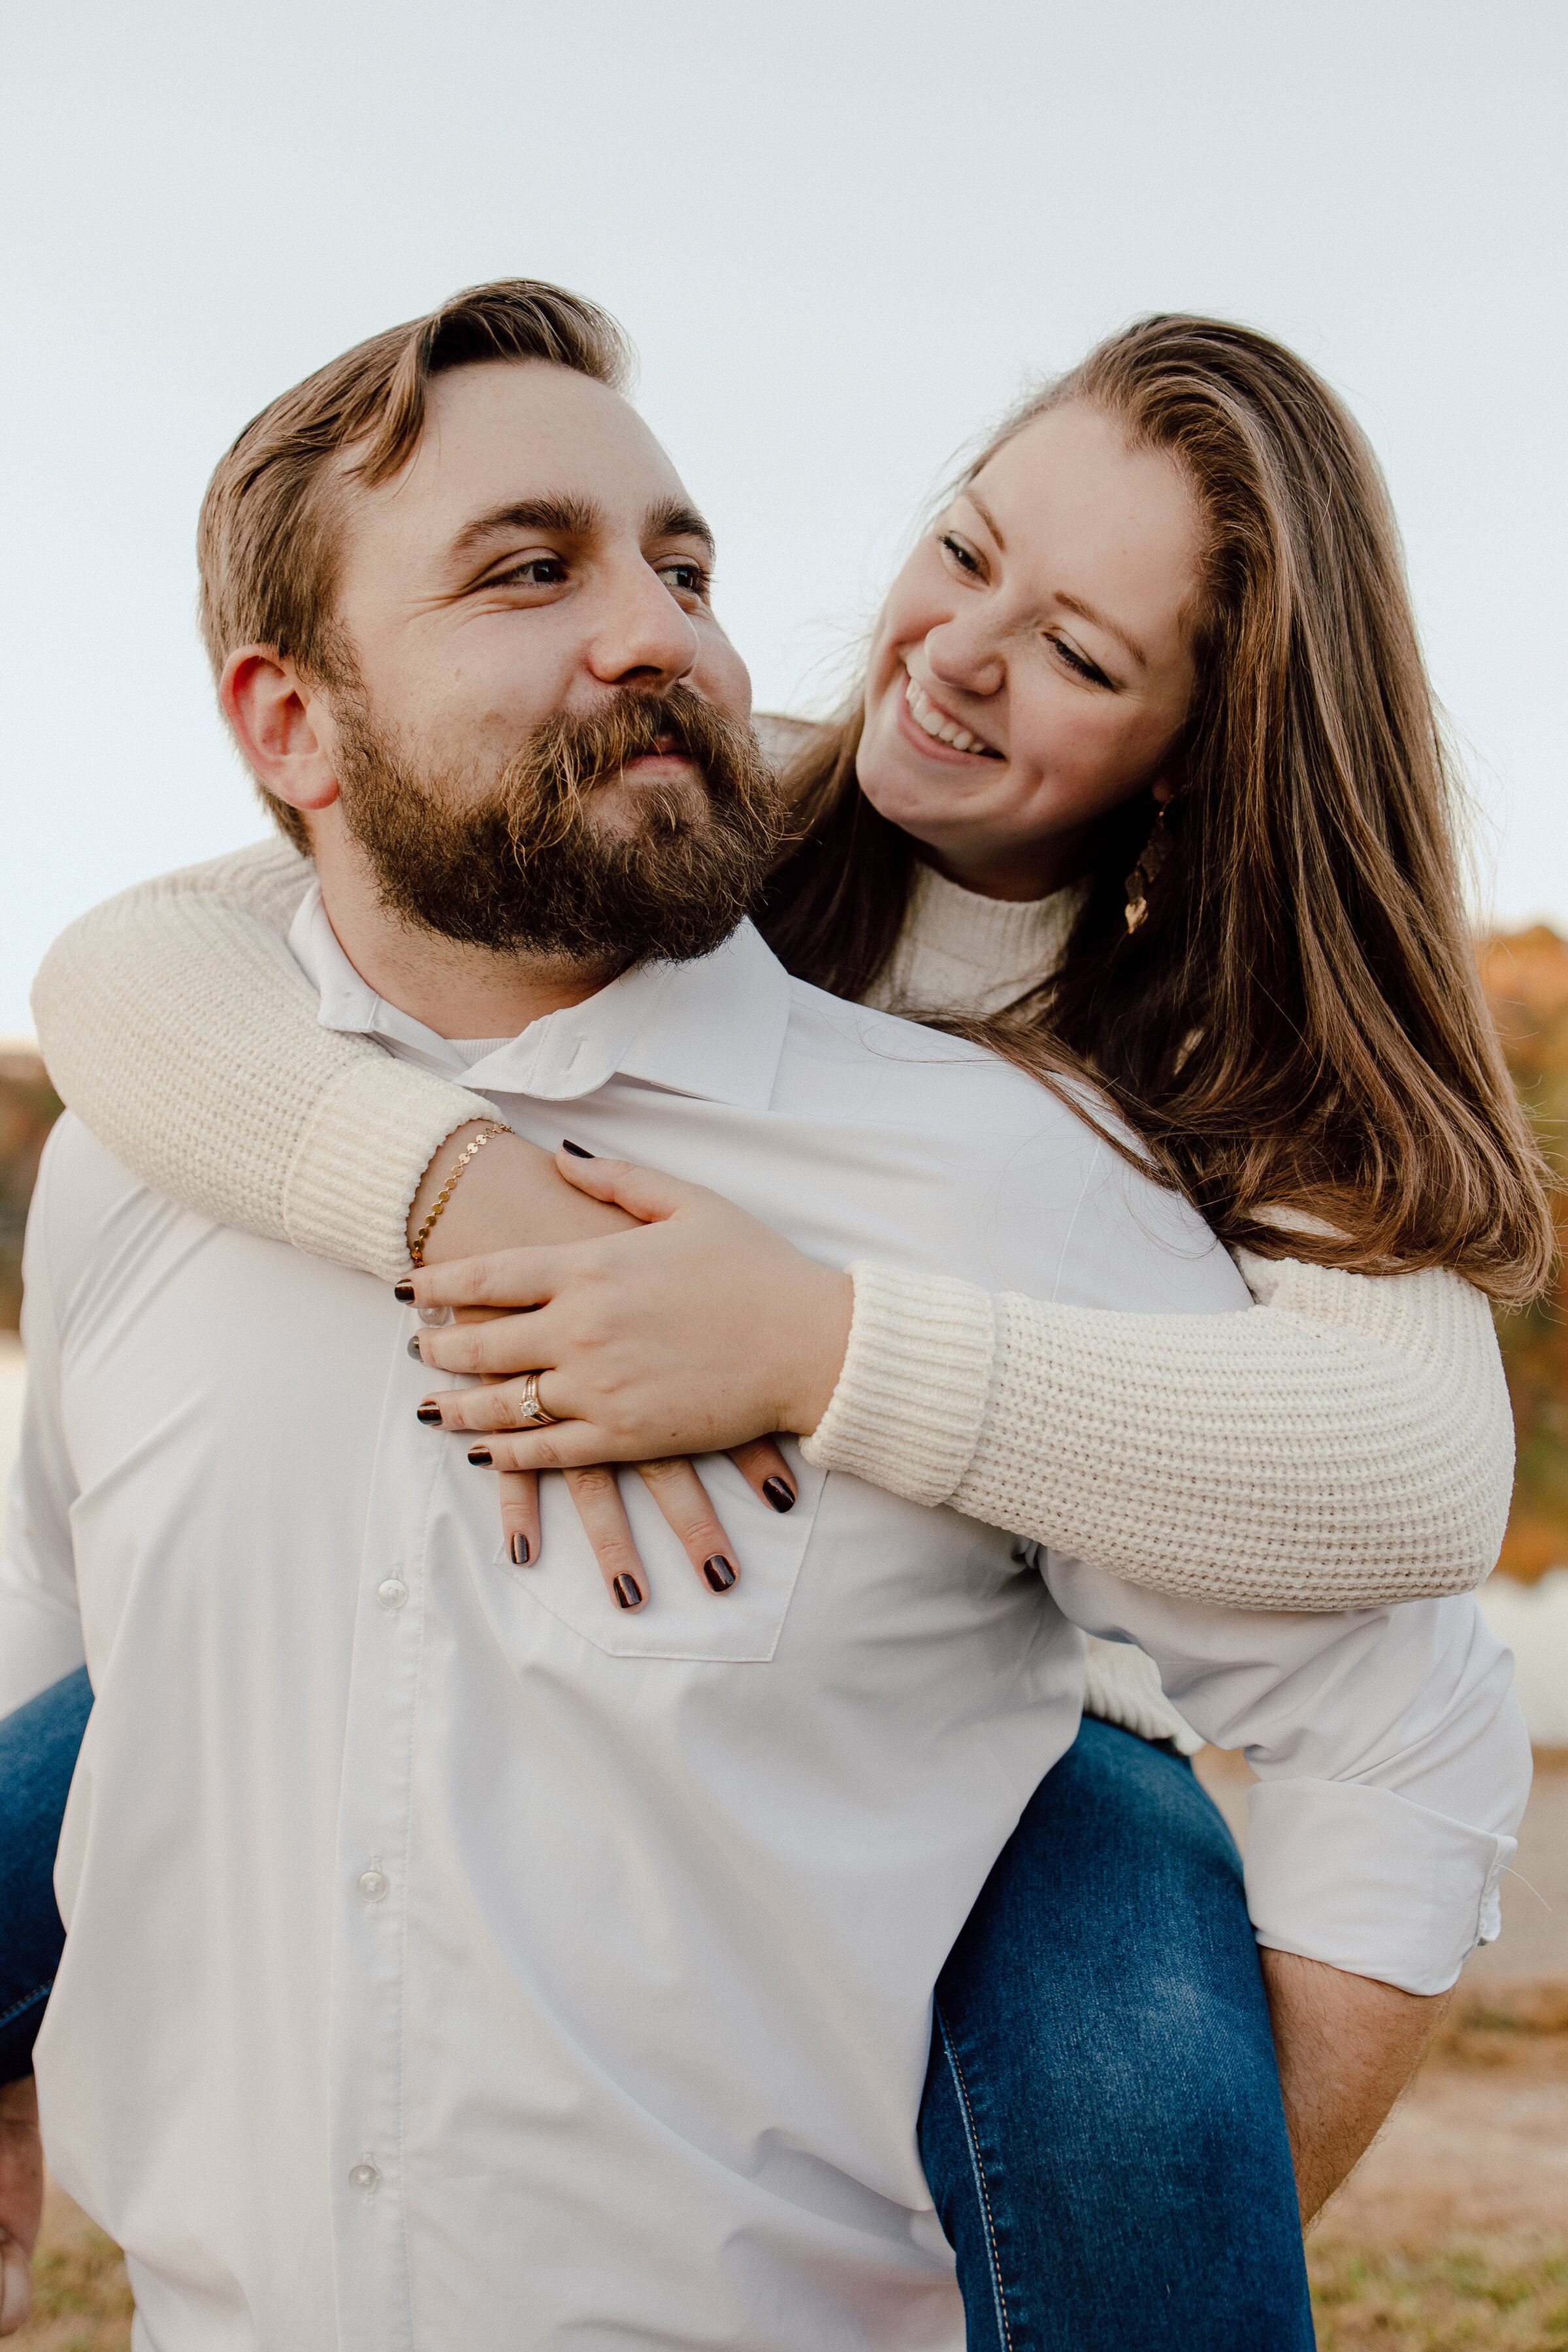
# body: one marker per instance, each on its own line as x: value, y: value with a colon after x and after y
x: 430, y: 1413
x: 414, y: 1350
x: 781, y: 1496
x: 404, y: 1293
x: 520, y: 1551
x: 480, y: 1455
x: 719, y: 1574
x: 627, y: 1593
x: 574, y: 1148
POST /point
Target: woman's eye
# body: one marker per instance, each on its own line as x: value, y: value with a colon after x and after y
x: 1079, y: 662
x: 686, y: 578
x: 964, y: 557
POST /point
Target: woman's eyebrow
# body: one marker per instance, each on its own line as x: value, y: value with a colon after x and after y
x: 986, y: 517
x: 1086, y: 613
x: 1070, y: 603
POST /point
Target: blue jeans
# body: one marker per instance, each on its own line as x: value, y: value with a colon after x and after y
x: 1102, y: 2125
x: 37, y: 1755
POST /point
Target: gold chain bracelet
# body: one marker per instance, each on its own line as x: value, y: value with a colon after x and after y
x: 416, y: 1247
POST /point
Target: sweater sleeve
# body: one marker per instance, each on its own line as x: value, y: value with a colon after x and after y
x: 177, y: 1026
x: 1348, y: 1443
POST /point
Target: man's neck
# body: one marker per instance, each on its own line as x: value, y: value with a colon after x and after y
x: 456, y: 990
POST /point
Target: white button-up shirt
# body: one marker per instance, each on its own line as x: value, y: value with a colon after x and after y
x: 457, y: 1962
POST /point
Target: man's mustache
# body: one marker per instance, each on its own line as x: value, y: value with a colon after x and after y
x: 573, y: 754
x: 521, y: 857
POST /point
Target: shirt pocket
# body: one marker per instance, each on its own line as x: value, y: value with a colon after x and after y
x: 681, y: 1618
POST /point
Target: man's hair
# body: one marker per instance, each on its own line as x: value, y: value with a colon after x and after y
x: 270, y: 531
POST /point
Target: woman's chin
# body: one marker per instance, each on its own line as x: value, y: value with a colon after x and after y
x: 915, y: 792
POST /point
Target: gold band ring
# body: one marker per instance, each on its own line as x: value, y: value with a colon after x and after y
x: 530, y: 1412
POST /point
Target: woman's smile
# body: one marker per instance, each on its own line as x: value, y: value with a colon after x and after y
x: 939, y: 726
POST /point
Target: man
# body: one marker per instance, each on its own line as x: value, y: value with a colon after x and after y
x: 503, y: 1970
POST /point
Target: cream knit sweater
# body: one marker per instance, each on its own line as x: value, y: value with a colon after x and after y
x: 1350, y: 1443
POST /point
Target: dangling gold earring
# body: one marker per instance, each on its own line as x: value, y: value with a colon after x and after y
x: 1139, y: 882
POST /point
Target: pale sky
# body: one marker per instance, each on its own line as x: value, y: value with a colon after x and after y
x: 842, y: 236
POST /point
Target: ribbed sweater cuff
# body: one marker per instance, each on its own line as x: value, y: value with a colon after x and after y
x: 912, y: 1395
x: 358, y: 1164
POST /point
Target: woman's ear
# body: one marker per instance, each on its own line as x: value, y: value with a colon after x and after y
x: 1163, y: 792
x: 281, y: 724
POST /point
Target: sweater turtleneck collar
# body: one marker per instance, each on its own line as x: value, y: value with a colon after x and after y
x: 960, y: 953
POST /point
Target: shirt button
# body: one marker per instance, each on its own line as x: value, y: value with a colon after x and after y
x: 392, y: 1594
x: 373, y: 1884
x: 365, y: 2177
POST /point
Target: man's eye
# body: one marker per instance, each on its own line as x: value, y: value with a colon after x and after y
x: 538, y: 572
x: 686, y: 578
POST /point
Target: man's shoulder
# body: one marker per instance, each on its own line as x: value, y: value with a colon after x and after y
x: 84, y: 1202
x: 899, y: 1068
x: 78, y: 1178
x: 1036, y: 1195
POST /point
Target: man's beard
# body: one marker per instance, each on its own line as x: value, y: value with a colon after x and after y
x: 526, y: 867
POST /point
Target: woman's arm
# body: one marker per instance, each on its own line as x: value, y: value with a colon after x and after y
x: 178, y: 1026
x: 1348, y: 1442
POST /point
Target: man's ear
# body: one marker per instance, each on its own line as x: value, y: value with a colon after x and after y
x: 283, y: 726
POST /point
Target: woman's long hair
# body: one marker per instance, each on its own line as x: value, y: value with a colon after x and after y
x: 1298, y: 1025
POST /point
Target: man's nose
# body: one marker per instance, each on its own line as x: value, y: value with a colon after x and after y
x: 642, y: 636
x: 963, y: 653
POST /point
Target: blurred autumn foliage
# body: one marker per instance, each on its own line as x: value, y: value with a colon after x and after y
x: 28, y: 1109
x: 1526, y: 977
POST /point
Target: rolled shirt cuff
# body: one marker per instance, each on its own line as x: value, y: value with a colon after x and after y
x: 1370, y: 1882
x: 39, y: 1647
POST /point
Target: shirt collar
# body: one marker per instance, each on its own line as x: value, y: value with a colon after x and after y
x: 714, y: 1029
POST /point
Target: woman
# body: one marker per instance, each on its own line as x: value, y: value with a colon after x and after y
x: 1280, y: 1003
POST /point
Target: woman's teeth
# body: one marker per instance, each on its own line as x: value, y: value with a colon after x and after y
x: 928, y: 718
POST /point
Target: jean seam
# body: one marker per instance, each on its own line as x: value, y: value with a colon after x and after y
x: 978, y: 2168
x: 42, y: 1993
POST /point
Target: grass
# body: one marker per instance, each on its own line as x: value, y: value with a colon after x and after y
x: 81, y: 2302
x: 1495, y: 2294
x: 1487, y: 2293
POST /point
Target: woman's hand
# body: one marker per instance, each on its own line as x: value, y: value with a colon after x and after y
x: 674, y: 1485
x: 513, y: 1191
x: 682, y: 1498
x: 702, y: 1331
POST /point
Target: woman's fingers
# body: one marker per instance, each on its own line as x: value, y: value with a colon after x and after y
x: 496, y: 1406
x: 766, y: 1472
x: 515, y: 1277
x: 608, y: 1529
x: 520, y: 1516
x: 691, y: 1518
x: 646, y: 1193
x: 565, y: 1445
x: 498, y: 1345
x: 682, y: 1497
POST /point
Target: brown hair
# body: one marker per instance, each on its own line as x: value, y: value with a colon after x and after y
x: 269, y: 531
x: 1298, y: 1025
